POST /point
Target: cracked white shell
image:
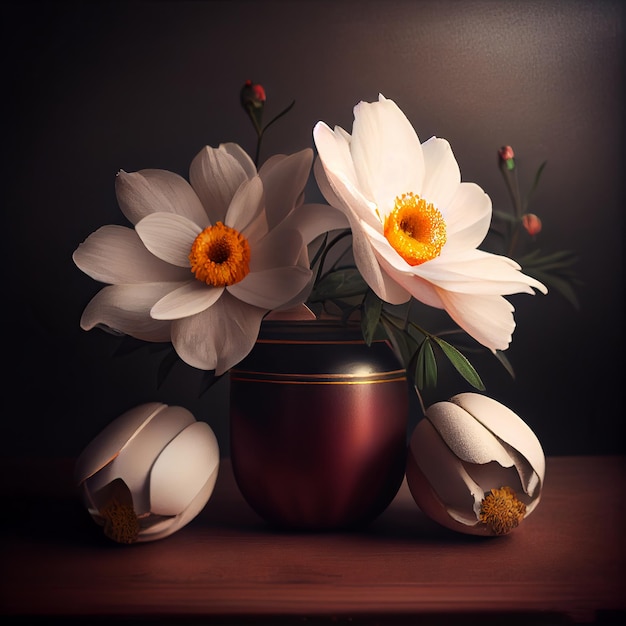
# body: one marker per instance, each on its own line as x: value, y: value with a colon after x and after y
x: 168, y: 463
x: 461, y: 450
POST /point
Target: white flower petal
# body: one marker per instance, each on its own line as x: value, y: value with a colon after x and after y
x: 488, y: 319
x: 241, y: 156
x: 338, y: 176
x: 157, y: 191
x: 115, y: 254
x: 468, y: 216
x: 219, y: 337
x: 108, y: 443
x: 313, y: 220
x: 466, y: 437
x: 333, y: 147
x: 506, y: 425
x: 530, y: 480
x: 183, y: 468
x: 215, y: 175
x: 271, y: 288
x: 126, y: 309
x: 494, y: 476
x: 189, y: 299
x: 442, y: 175
x: 413, y: 285
x: 387, y: 153
x: 478, y: 272
x: 134, y: 461
x: 375, y: 270
x: 246, y: 207
x: 321, y: 178
x: 445, y: 473
x: 284, y: 180
x: 169, y: 237
x: 280, y: 247
x: 169, y: 526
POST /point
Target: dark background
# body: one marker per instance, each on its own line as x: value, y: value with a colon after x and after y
x: 92, y: 88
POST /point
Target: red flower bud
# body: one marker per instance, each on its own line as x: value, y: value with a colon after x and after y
x: 531, y: 223
x: 252, y: 94
x: 507, y: 157
x: 506, y: 153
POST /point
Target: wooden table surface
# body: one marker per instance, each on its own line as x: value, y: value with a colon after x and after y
x: 565, y: 563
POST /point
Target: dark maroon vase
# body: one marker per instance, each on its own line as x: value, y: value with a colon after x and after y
x: 318, y: 425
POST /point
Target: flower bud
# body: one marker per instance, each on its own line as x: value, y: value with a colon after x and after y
x: 148, y: 473
x: 531, y: 223
x: 252, y: 94
x: 507, y: 157
x: 252, y: 98
x: 474, y: 466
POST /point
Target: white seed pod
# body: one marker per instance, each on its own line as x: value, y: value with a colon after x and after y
x: 474, y: 466
x: 148, y: 473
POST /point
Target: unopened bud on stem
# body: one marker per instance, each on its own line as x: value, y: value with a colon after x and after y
x: 531, y: 223
x: 507, y: 157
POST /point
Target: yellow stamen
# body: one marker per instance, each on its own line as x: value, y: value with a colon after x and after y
x: 120, y: 522
x: 415, y: 229
x: 501, y: 510
x: 220, y: 256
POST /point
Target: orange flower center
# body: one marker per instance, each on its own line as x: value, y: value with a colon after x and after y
x: 502, y: 511
x: 415, y: 229
x: 220, y: 256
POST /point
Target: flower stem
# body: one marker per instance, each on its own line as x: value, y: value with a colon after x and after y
x: 420, y: 399
x: 261, y: 131
x: 322, y: 261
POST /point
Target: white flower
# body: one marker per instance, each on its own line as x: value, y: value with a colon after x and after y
x: 415, y: 225
x: 207, y: 260
x: 475, y: 466
x: 149, y: 472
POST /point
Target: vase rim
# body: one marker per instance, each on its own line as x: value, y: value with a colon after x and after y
x: 318, y: 328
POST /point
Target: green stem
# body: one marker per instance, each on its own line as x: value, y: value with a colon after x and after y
x: 421, y: 401
x: 334, y: 242
x: 258, y: 151
x: 261, y: 131
x: 283, y: 112
x: 512, y: 184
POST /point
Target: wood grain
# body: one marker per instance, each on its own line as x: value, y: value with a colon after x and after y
x: 566, y: 560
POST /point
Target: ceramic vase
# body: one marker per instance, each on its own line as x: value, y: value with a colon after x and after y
x: 318, y: 425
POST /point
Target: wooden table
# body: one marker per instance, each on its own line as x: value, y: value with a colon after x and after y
x: 565, y: 563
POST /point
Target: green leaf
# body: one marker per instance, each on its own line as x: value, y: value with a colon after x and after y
x: 404, y: 345
x: 372, y: 308
x: 426, y: 366
x: 505, y: 362
x: 506, y: 217
x: 396, y: 320
x: 341, y: 283
x: 558, y: 283
x: 561, y: 259
x: 555, y: 270
x: 461, y: 364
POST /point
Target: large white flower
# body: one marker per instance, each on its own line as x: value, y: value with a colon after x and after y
x: 207, y: 259
x: 415, y: 225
